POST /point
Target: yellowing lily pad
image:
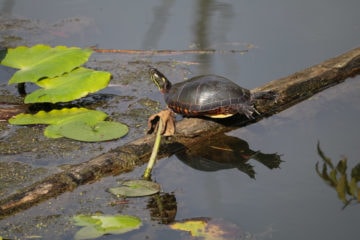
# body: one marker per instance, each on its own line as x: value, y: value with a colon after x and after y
x: 209, y: 229
x: 196, y: 227
x: 98, y: 225
x: 41, y: 61
x: 70, y: 86
x: 135, y: 188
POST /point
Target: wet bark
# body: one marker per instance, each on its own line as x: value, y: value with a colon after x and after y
x: 291, y: 90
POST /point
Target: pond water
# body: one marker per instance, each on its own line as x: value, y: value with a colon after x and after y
x: 276, y: 38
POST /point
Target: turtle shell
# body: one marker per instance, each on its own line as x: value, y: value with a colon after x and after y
x: 209, y: 95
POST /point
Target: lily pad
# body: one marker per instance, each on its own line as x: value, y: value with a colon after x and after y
x: 98, y: 225
x: 59, y: 116
x: 82, y: 131
x: 41, y: 61
x: 209, y: 229
x: 76, y: 123
x: 135, y: 188
x: 70, y: 86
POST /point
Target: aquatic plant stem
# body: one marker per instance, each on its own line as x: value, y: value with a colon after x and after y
x: 147, y: 172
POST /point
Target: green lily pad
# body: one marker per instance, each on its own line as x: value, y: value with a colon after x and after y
x: 98, y: 225
x: 41, y: 61
x: 70, y: 86
x: 76, y: 123
x: 82, y: 131
x: 59, y: 116
x: 135, y: 188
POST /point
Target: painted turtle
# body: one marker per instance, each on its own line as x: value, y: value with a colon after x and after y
x: 208, y: 95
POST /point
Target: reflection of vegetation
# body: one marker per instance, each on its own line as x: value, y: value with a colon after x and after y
x: 336, y: 177
x: 163, y: 207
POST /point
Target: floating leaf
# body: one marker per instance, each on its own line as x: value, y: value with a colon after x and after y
x: 209, y: 229
x: 90, y: 232
x: 41, y: 61
x: 59, y: 116
x: 76, y: 123
x: 195, y: 227
x: 135, y: 188
x: 52, y: 131
x: 98, y: 225
x: 82, y: 131
x: 86, y: 220
x: 70, y: 86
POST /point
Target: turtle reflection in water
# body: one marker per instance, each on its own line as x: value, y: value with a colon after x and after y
x: 226, y: 152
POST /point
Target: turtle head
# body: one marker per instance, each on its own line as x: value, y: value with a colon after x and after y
x: 160, y: 80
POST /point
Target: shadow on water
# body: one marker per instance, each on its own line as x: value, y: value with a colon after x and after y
x: 226, y: 152
x: 336, y: 176
x: 3, y: 52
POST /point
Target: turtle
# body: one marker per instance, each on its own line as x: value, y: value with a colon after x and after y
x: 208, y: 95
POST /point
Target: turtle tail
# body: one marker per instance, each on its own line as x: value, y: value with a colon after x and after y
x: 267, y: 95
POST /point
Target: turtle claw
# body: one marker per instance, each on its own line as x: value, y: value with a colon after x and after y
x: 167, y: 120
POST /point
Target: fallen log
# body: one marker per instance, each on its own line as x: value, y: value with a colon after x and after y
x: 291, y: 90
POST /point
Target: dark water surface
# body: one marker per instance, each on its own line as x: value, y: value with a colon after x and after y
x: 280, y: 37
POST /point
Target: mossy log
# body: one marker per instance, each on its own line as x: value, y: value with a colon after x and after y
x: 291, y: 90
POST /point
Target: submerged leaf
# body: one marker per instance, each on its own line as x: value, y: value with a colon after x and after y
x: 324, y: 158
x: 353, y: 188
x: 42, y: 61
x: 355, y: 172
x: 70, y: 86
x: 342, y: 166
x: 341, y: 188
x: 98, y: 225
x: 333, y: 177
x: 136, y: 188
